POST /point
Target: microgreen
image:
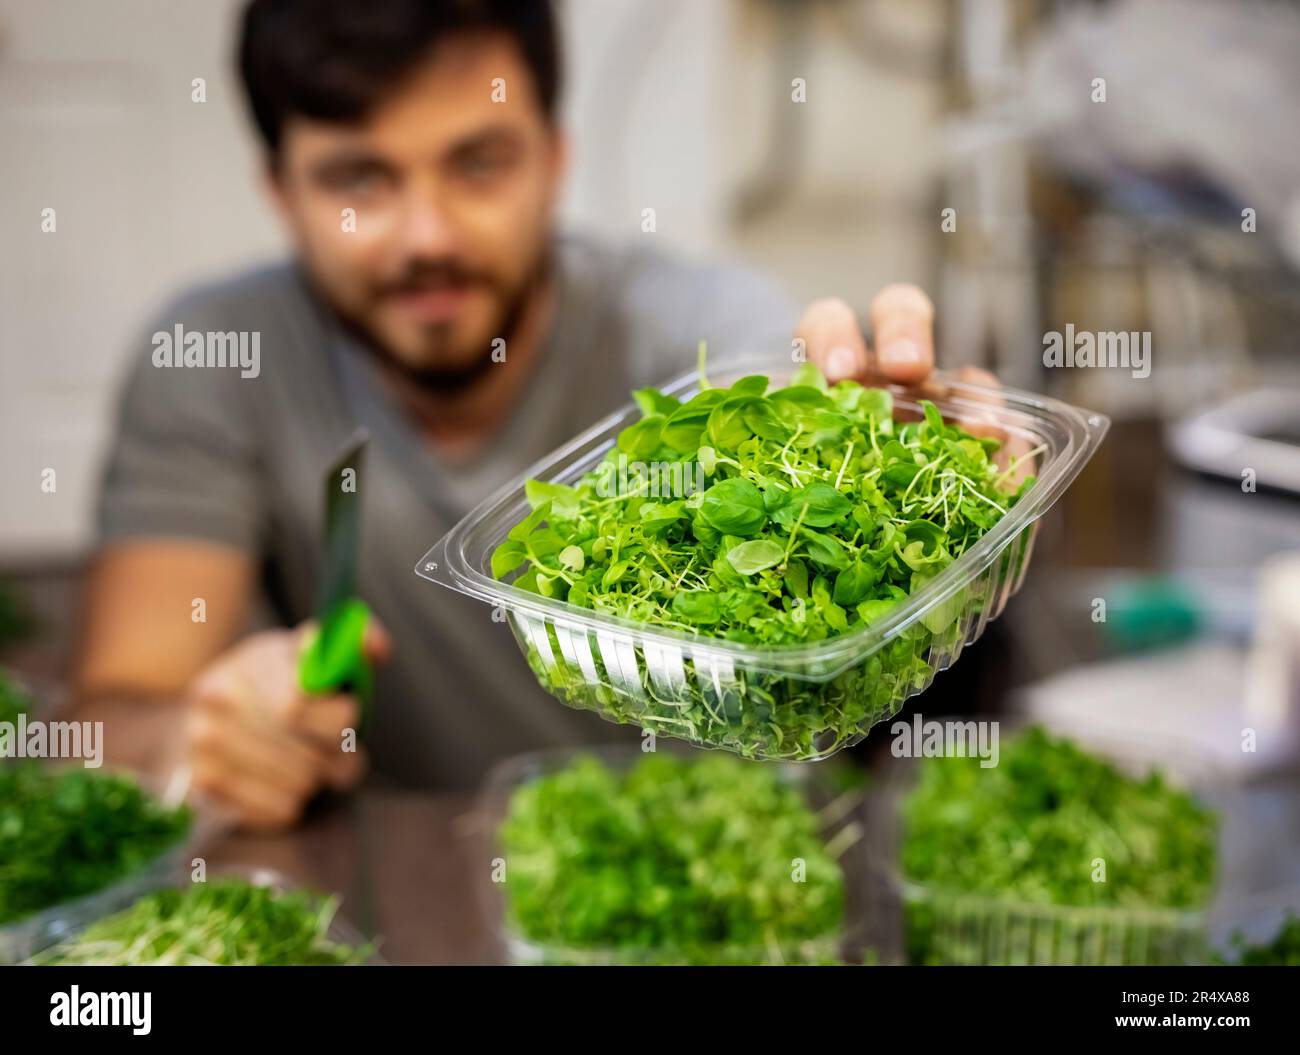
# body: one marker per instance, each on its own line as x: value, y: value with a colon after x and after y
x: 68, y: 833
x: 225, y: 922
x: 1031, y: 830
x: 675, y: 860
x: 821, y: 512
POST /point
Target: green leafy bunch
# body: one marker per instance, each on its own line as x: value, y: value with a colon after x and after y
x: 1030, y: 828
x: 675, y: 860
x: 66, y: 833
x: 225, y: 922
x: 821, y: 513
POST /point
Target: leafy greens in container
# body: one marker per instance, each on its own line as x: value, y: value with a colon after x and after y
x: 1053, y: 855
x: 68, y: 833
x: 669, y: 860
x: 224, y: 922
x: 763, y: 567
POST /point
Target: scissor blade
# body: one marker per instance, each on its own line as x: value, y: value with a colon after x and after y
x: 342, y: 525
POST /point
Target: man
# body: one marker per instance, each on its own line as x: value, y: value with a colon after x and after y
x: 421, y: 206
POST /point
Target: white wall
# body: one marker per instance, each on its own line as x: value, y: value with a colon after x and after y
x: 150, y: 190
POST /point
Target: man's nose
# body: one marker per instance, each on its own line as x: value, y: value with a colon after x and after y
x: 426, y: 227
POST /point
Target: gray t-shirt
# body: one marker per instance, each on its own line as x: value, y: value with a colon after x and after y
x: 205, y: 453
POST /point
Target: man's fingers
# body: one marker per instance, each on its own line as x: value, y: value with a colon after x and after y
x: 1014, y: 455
x: 833, y: 340
x: 325, y: 718
x: 902, y: 324
x: 378, y: 645
x: 262, y: 756
x: 260, y: 806
x: 342, y: 771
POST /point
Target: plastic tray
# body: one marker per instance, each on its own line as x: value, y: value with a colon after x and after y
x: 492, y: 808
x: 24, y: 938
x: 954, y: 927
x: 637, y: 673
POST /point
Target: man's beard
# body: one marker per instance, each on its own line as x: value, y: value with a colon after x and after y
x: 450, y: 379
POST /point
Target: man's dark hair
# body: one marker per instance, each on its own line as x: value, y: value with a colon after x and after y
x: 336, y: 60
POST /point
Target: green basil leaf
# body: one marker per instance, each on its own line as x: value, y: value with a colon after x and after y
x: 870, y: 611
x: 749, y: 558
x: 735, y: 507
x: 507, y: 557
x: 652, y: 401
x: 826, y: 551
x: 752, y: 385
x: 852, y: 584
x: 826, y: 506
x: 686, y: 424
x: 726, y: 427
x: 563, y: 498
x: 763, y: 420
x: 541, y: 509
x: 644, y: 438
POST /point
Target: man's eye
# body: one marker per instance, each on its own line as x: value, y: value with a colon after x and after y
x: 482, y: 165
x: 355, y: 180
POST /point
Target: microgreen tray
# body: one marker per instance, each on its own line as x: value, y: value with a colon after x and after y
x: 25, y: 937
x: 798, y: 701
x: 943, y: 925
x: 837, y: 830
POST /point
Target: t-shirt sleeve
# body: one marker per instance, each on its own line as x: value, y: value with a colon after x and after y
x: 183, y: 459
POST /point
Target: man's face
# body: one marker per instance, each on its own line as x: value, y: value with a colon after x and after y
x: 452, y: 195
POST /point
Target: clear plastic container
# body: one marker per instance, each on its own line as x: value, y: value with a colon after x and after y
x: 794, y: 702
x: 960, y: 928
x: 24, y: 938
x: 839, y: 823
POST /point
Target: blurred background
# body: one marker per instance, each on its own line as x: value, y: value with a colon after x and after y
x: 1115, y: 166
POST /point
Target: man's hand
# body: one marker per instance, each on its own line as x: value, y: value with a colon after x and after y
x: 259, y: 745
x: 902, y: 323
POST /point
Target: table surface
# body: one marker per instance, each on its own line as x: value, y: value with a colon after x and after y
x: 405, y: 864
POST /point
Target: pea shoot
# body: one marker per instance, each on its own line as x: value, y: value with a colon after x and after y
x: 224, y: 922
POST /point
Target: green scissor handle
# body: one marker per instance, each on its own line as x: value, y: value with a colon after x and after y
x: 335, y: 660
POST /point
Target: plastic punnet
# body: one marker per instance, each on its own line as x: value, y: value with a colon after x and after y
x: 795, y: 702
